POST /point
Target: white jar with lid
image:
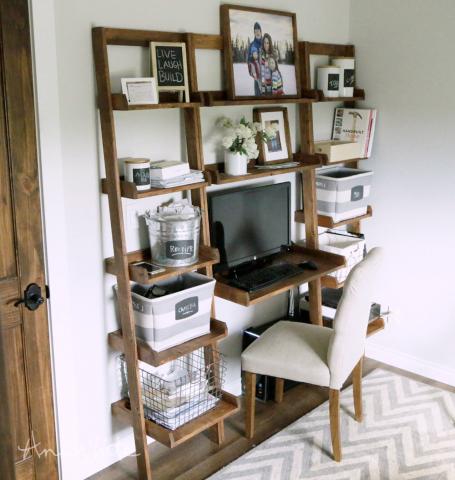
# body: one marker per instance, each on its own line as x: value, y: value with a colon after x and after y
x: 137, y: 171
x: 329, y: 80
x: 347, y: 75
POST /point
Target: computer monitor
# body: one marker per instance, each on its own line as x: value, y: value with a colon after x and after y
x: 250, y: 223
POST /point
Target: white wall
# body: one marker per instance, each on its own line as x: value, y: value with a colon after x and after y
x: 404, y: 61
x: 77, y: 225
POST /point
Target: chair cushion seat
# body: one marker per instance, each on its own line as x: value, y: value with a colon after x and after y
x: 291, y: 350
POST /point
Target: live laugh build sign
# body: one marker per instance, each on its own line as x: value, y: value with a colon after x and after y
x: 169, y: 66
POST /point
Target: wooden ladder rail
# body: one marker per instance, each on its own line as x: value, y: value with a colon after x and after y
x: 194, y: 147
x: 120, y: 251
x: 309, y: 184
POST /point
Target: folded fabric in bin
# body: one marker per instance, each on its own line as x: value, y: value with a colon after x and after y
x: 174, y: 418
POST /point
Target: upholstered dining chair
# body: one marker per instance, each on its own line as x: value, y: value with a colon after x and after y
x: 318, y: 355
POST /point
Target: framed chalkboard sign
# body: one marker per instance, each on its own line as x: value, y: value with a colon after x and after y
x: 169, y: 67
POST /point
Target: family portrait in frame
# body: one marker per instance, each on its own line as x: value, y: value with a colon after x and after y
x: 261, y: 52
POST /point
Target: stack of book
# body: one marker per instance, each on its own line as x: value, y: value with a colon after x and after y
x: 169, y: 174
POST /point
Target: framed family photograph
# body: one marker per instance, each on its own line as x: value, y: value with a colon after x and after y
x: 260, y: 52
x: 278, y: 149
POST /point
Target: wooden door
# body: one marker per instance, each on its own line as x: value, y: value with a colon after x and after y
x: 29, y: 432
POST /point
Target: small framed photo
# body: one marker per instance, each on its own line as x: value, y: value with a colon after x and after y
x: 140, y: 91
x: 169, y: 67
x: 260, y: 52
x: 278, y: 149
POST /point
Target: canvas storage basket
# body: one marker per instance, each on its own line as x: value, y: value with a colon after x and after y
x: 350, y: 246
x: 181, y: 315
x: 342, y: 192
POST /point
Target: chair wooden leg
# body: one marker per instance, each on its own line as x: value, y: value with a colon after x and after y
x: 357, y: 390
x: 279, y: 389
x: 250, y: 403
x: 334, y: 408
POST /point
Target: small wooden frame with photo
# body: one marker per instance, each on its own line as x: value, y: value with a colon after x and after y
x: 279, y: 149
x: 169, y: 68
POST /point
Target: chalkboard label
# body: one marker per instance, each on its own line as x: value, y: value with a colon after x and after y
x: 357, y: 193
x: 179, y: 249
x: 333, y: 82
x: 170, y: 70
x: 348, y: 77
x: 141, y: 176
x: 186, y: 308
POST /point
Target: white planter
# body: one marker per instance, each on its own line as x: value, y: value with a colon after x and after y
x: 235, y: 163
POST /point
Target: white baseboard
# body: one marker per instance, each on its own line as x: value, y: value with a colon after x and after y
x: 395, y: 358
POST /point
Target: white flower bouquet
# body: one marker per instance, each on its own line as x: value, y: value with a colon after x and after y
x: 241, y: 137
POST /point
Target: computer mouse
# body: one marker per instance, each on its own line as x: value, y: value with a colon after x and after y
x: 308, y: 265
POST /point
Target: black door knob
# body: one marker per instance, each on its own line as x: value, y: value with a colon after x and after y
x: 32, y: 297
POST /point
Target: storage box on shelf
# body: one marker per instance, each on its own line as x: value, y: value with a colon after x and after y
x: 180, y: 315
x: 342, y: 192
x: 350, y: 246
x: 336, y: 151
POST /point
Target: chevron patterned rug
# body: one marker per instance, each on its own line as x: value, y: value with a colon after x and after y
x: 408, y: 432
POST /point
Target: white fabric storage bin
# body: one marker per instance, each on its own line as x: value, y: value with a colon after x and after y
x: 177, y: 317
x: 349, y: 246
x: 342, y: 192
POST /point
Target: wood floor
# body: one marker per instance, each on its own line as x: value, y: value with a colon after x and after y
x: 199, y: 457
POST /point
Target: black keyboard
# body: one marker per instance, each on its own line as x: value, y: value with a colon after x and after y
x: 266, y: 276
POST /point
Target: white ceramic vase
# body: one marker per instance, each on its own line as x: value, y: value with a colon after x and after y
x: 235, y: 163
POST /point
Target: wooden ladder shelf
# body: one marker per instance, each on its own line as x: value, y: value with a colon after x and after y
x: 121, y: 264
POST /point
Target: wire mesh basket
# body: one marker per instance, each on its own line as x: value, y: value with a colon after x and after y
x: 181, y: 390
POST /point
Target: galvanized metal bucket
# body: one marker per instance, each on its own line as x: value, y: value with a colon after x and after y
x: 174, y: 239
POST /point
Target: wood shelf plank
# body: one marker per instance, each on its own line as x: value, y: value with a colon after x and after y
x: 129, y: 190
x: 327, y: 222
x: 119, y: 102
x: 325, y: 161
x: 375, y: 326
x: 217, y: 175
x: 207, y: 256
x: 220, y: 99
x: 326, y: 262
x: 227, y: 406
x: 359, y: 94
x: 218, y: 331
x: 330, y: 282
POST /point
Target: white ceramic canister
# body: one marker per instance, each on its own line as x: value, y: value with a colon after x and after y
x: 329, y: 80
x: 137, y: 171
x: 347, y: 75
x: 235, y: 163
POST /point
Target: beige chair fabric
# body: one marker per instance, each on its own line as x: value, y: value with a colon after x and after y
x: 319, y: 355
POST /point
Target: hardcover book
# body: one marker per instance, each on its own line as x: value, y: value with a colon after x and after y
x: 165, y: 169
x: 355, y: 125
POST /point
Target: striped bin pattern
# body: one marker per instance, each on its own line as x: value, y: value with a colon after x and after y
x: 179, y: 316
x: 342, y: 193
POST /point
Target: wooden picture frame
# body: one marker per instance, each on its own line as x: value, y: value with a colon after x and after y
x: 237, y: 78
x: 168, y: 73
x: 283, y: 154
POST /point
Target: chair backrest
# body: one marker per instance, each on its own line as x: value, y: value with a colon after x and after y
x: 350, y: 324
